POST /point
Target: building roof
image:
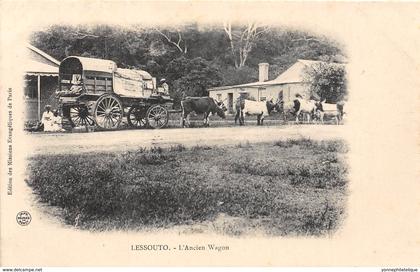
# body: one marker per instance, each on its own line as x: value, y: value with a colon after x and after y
x: 43, y: 54
x: 34, y: 68
x: 295, y: 74
x: 35, y: 65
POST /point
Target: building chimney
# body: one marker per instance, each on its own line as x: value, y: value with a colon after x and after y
x: 263, y: 72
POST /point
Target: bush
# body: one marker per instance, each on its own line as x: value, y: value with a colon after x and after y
x: 278, y: 186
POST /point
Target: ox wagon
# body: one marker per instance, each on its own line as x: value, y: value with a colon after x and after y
x: 97, y: 92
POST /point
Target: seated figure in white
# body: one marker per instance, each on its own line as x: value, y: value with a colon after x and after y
x: 47, y: 118
x: 57, y: 122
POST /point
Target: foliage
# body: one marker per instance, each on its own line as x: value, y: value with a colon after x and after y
x: 157, y: 50
x: 245, y: 74
x: 328, y: 81
x: 191, y: 77
x: 242, y: 39
x: 284, y: 189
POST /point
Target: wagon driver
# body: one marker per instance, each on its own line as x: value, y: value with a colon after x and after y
x: 164, y: 87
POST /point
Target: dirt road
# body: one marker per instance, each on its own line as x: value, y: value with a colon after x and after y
x: 133, y: 139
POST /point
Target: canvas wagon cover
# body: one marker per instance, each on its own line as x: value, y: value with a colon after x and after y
x: 132, y: 83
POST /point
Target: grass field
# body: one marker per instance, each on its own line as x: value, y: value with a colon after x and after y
x: 293, y: 187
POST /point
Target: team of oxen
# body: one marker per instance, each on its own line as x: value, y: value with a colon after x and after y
x: 310, y: 110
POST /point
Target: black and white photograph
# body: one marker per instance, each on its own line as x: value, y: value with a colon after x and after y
x: 203, y: 136
x: 169, y: 126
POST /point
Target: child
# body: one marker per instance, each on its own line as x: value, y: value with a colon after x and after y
x: 56, y: 124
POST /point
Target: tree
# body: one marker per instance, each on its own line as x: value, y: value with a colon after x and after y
x: 242, y: 40
x: 229, y: 54
x: 327, y: 81
x: 174, y: 39
x: 234, y: 76
x: 191, y: 77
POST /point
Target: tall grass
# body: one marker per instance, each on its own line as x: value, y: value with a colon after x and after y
x: 291, y: 187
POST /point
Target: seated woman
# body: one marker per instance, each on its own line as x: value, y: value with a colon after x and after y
x: 47, y: 118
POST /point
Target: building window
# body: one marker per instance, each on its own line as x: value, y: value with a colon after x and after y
x: 31, y: 89
x: 262, y: 94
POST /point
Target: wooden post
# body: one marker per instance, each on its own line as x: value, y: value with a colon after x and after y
x: 39, y: 96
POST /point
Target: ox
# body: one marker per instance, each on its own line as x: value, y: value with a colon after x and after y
x: 201, y: 105
x: 249, y: 107
x: 335, y: 111
x: 304, y: 107
x: 297, y: 107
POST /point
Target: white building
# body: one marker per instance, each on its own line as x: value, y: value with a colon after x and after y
x: 41, y: 81
x: 291, y: 82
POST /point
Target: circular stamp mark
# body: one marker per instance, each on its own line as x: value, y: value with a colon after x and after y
x: 23, y: 218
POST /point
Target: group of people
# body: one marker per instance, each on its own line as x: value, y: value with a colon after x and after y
x: 51, y: 121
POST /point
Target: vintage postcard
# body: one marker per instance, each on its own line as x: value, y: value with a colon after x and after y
x: 198, y: 133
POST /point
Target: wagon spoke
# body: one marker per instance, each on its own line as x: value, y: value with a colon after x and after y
x: 136, y: 117
x: 111, y: 120
x: 113, y: 104
x: 101, y: 107
x: 157, y: 116
x: 109, y: 103
x: 91, y: 121
x: 108, y: 112
x: 79, y: 116
x: 76, y: 120
x: 105, y: 102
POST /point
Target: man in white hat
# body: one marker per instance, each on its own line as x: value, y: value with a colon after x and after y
x: 47, y: 118
x: 164, y: 87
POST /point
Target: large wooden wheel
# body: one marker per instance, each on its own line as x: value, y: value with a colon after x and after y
x: 79, y: 116
x: 108, y: 112
x: 157, y: 116
x: 136, y: 117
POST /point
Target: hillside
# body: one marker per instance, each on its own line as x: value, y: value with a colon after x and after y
x: 192, y: 58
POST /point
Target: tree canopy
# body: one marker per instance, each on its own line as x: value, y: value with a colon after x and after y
x: 327, y: 82
x: 191, y: 57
